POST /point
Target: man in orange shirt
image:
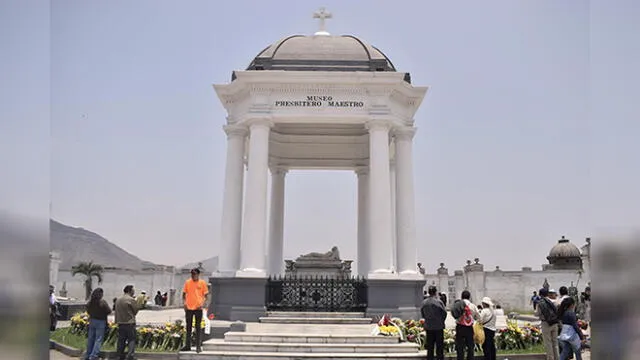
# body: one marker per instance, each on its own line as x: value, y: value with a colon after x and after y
x: 195, y: 296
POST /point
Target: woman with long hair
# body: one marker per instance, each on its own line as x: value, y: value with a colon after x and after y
x: 568, y: 341
x: 98, y: 310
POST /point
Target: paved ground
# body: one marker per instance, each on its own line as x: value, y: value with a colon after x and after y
x: 54, y: 355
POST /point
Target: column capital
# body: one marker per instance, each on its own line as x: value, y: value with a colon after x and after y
x: 378, y: 124
x: 279, y: 170
x: 259, y: 122
x: 404, y: 132
x: 235, y: 130
x: 362, y: 170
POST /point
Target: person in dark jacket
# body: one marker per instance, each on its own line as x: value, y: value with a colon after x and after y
x: 434, y: 314
x: 443, y: 298
x: 98, y: 310
x: 567, y: 315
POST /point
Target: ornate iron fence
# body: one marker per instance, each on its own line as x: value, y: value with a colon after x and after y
x: 288, y: 293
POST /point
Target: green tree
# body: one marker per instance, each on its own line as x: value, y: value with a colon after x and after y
x: 89, y: 270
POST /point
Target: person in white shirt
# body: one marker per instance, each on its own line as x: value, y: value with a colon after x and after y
x: 488, y: 321
x: 53, y: 309
x: 564, y: 293
x: 52, y: 295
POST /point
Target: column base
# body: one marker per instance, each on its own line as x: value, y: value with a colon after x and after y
x: 224, y: 274
x: 411, y: 275
x: 382, y: 275
x: 238, y: 299
x: 397, y: 297
x: 251, y: 273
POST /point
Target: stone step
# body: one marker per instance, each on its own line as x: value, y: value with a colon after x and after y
x: 321, y: 329
x: 226, y: 346
x: 314, y: 314
x: 306, y: 338
x: 314, y: 320
x: 234, y: 355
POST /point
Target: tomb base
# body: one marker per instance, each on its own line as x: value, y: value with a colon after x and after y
x: 397, y: 297
x: 238, y: 298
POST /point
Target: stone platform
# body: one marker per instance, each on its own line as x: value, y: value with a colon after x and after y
x: 307, y: 335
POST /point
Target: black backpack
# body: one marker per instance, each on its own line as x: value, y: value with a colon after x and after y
x: 457, y: 310
x: 548, y: 312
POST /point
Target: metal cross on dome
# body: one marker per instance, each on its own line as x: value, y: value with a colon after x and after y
x: 322, y: 14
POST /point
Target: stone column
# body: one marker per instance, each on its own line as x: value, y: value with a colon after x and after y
x: 231, y: 227
x: 405, y: 206
x: 380, y: 230
x: 363, y: 223
x: 254, y: 229
x: 394, y: 237
x: 276, y: 228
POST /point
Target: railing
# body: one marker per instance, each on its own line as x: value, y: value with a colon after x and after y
x: 289, y: 293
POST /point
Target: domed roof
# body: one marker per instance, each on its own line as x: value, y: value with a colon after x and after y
x: 564, y: 249
x: 321, y: 53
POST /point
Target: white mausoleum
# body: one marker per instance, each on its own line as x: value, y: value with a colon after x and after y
x: 319, y: 102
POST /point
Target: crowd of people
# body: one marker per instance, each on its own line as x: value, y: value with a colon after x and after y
x: 563, y: 338
x: 195, y: 297
x: 469, y: 319
x: 562, y: 335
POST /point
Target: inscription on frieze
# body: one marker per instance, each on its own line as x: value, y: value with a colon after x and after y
x: 320, y: 101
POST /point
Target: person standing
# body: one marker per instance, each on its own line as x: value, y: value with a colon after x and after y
x: 464, y: 327
x: 195, y: 296
x: 142, y: 299
x: 434, y: 314
x: 98, y: 310
x: 548, y: 316
x: 488, y: 321
x: 564, y: 293
x: 585, y: 299
x: 443, y: 298
x: 54, y: 310
x: 126, y: 311
x: 534, y: 300
x: 566, y: 312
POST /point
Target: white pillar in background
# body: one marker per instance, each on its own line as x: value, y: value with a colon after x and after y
x: 380, y: 229
x: 231, y: 227
x: 253, y: 254
x: 363, y: 223
x: 394, y: 240
x: 405, y: 204
x: 276, y: 228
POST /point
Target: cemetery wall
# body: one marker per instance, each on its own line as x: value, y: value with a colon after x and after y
x: 511, y: 289
x: 114, y: 280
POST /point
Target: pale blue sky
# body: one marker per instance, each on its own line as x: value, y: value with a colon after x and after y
x: 519, y: 139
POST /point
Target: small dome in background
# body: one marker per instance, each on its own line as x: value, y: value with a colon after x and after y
x: 565, y: 256
x: 564, y: 249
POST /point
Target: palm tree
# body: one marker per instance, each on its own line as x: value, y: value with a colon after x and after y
x: 89, y: 270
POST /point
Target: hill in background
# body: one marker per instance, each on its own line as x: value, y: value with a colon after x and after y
x: 76, y: 245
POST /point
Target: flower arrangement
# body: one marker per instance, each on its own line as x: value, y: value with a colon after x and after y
x: 510, y: 338
x: 514, y: 337
x: 168, y: 337
x: 583, y: 324
x: 387, y: 327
